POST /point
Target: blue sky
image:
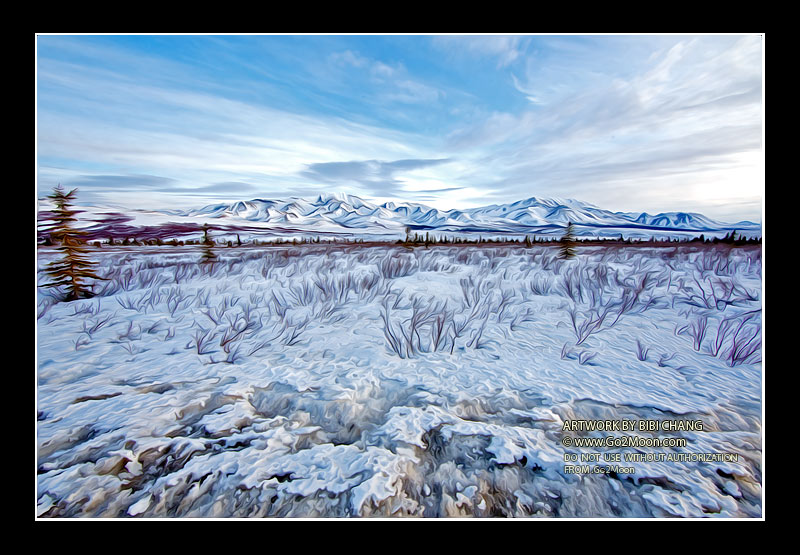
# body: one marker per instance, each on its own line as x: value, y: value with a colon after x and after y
x: 628, y: 123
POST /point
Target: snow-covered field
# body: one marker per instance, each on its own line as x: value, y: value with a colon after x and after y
x: 332, y: 381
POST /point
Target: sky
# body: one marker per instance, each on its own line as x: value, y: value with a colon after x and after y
x: 630, y: 123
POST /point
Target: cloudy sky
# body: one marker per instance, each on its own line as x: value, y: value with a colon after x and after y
x: 628, y: 123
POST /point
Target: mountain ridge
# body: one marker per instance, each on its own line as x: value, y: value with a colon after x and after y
x: 530, y: 212
x: 345, y: 215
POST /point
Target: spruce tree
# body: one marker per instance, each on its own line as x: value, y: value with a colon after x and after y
x: 567, y: 250
x: 209, y: 257
x: 74, y: 268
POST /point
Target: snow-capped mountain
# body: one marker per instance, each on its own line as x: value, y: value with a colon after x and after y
x: 342, y: 215
x: 526, y: 215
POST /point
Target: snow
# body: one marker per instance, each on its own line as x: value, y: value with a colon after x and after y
x: 346, y: 216
x: 311, y: 382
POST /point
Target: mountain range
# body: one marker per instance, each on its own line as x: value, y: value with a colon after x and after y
x: 342, y: 215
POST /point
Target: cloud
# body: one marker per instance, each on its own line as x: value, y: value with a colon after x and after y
x: 409, y: 165
x: 228, y: 185
x: 689, y: 112
x: 445, y: 190
x: 412, y: 92
x: 384, y: 71
x: 190, y: 138
x: 334, y: 171
x: 531, y: 94
x: 503, y: 49
x: 139, y: 131
x: 349, y: 58
x: 94, y: 188
x: 388, y: 81
x: 225, y: 189
x: 376, y: 68
x: 123, y: 182
x: 375, y: 176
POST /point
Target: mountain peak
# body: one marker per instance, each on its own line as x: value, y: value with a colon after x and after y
x: 342, y: 212
x: 352, y: 200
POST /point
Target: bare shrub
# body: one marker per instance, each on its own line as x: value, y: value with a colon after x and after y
x: 398, y: 265
x: 202, y: 341
x: 539, y: 285
x: 641, y: 351
x: 424, y: 330
x: 745, y: 347
x: 697, y: 331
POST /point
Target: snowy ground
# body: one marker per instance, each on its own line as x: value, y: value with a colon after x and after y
x: 321, y: 381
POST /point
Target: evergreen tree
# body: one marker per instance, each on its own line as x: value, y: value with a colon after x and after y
x: 209, y: 257
x: 74, y: 268
x: 567, y: 250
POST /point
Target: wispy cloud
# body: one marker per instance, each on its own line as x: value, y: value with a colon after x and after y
x: 123, y: 182
x: 503, y: 49
x: 187, y: 137
x: 389, y: 81
x: 375, y: 177
x: 692, y: 111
